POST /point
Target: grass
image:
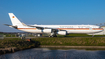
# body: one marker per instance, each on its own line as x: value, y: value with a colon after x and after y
x: 17, y: 42
x: 79, y: 35
x: 69, y: 40
x: 72, y: 41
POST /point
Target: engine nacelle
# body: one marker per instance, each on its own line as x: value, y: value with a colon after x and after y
x: 62, y: 32
x: 47, y: 30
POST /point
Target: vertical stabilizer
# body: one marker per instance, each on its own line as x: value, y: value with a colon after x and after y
x: 14, y: 20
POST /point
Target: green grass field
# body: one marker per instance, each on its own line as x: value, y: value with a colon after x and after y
x: 79, y: 35
x: 69, y: 40
x: 17, y: 42
x: 72, y: 41
x: 70, y: 35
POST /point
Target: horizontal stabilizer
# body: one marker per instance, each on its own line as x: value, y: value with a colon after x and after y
x: 11, y: 26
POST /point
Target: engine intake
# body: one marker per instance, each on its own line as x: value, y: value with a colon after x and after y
x: 47, y: 30
x: 62, y: 32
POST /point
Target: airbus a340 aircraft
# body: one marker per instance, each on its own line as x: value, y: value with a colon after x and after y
x: 53, y: 30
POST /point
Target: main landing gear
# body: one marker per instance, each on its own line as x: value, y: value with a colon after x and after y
x: 53, y: 35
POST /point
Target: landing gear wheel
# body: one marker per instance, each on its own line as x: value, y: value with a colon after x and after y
x: 49, y: 36
x: 55, y: 36
x: 52, y: 36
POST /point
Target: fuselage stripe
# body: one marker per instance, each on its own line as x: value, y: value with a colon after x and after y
x: 63, y: 28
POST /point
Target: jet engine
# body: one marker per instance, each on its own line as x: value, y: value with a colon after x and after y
x: 62, y: 32
x: 47, y: 30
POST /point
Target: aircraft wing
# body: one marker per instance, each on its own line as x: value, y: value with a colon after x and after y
x: 40, y: 27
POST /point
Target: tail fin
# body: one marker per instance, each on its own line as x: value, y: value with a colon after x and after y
x: 14, y: 20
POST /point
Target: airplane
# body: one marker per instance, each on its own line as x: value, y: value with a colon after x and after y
x: 53, y: 30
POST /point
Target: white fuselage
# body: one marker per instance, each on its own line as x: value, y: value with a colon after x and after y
x: 69, y: 28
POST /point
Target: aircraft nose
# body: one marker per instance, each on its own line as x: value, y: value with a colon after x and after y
x: 101, y: 29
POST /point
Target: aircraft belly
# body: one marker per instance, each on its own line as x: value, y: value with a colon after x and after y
x: 68, y: 31
x: 32, y: 31
x: 83, y: 31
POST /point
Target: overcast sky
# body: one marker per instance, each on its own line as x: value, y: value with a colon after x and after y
x: 64, y: 12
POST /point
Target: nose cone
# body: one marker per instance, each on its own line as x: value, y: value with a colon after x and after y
x: 97, y: 30
x: 101, y: 29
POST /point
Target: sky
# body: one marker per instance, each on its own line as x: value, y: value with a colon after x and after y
x: 52, y: 12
